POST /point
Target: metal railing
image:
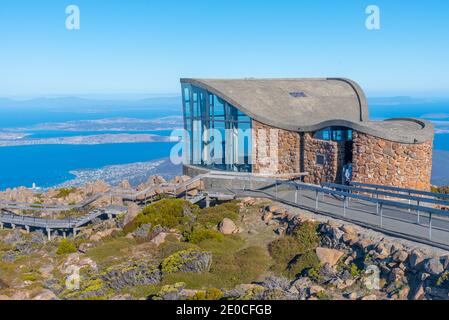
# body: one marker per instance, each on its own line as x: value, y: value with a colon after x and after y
x: 403, y: 190
x: 339, y: 196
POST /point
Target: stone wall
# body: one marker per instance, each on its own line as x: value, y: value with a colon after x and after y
x: 379, y: 161
x: 275, y: 151
x: 319, y: 173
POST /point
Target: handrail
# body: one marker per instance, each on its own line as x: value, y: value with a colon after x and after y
x: 374, y: 200
x: 386, y: 193
x: 405, y: 190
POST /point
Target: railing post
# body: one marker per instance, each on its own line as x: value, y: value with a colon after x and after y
x: 276, y: 189
x: 316, y: 199
x: 296, y: 194
x: 418, y: 213
x: 409, y: 202
x: 381, y: 215
x: 344, y: 206
x: 430, y: 226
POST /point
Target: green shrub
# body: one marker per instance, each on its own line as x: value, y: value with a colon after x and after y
x: 283, y: 251
x: 294, y: 253
x: 172, y: 245
x: 198, y: 235
x: 65, y: 192
x: 444, y: 189
x: 209, y: 294
x: 65, y: 247
x: 307, y: 236
x: 174, y: 262
x: 354, y: 270
x: 212, y: 216
x: 442, y: 279
x: 169, y: 213
x: 305, y: 261
x: 231, y: 265
x: 322, y: 295
x: 29, y: 277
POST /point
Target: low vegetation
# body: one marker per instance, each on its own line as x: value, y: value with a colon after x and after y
x: 65, y: 192
x: 168, y: 213
x: 66, y: 247
x: 295, y: 253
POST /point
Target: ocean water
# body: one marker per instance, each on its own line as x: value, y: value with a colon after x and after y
x: 441, y: 142
x: 49, y: 165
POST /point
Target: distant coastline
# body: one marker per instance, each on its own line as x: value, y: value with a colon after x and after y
x: 89, y: 140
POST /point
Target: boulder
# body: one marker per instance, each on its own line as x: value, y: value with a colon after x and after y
x: 349, y: 229
x: 85, y: 246
x: 349, y: 239
x: 143, y: 231
x: 437, y: 293
x: 276, y: 210
x: 415, y: 259
x: 249, y: 201
x: 418, y: 293
x: 159, y: 239
x: 352, y: 296
x: 364, y: 244
x: 383, y: 250
x: 400, y: 256
x: 280, y: 231
x: 75, y: 260
x: 267, y: 217
x: 329, y: 256
x: 370, y: 297
x: 396, y: 275
x: 227, y: 226
x: 433, y: 266
x: 45, y: 294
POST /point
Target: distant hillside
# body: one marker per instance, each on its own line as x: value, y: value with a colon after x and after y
x: 440, y: 172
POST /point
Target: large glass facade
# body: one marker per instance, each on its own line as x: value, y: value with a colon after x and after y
x: 219, y: 135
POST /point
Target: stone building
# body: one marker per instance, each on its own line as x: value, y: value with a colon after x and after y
x: 292, y: 126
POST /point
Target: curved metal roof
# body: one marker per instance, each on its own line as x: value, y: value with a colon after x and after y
x: 312, y: 104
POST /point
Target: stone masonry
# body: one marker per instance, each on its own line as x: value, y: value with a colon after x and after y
x: 375, y: 160
x: 379, y: 161
x: 268, y: 160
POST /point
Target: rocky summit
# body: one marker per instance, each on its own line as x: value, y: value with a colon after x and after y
x: 247, y: 249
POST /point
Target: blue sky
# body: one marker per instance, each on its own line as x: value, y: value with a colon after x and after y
x: 144, y: 47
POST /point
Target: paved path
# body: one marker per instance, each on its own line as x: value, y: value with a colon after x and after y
x: 395, y: 221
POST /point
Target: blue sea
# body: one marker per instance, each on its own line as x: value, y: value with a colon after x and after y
x: 49, y: 165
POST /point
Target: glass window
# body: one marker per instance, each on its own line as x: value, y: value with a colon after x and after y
x: 232, y: 147
x: 334, y: 134
x: 219, y: 111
